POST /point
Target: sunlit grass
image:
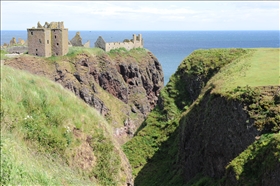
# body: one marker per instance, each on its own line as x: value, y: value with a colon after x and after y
x: 42, y: 115
x: 259, y: 68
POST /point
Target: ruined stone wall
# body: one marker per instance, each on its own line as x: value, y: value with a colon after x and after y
x: 39, y: 42
x: 136, y: 42
x: 100, y: 43
x: 116, y: 45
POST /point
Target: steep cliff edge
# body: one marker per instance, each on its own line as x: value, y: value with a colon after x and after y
x: 133, y: 77
x: 51, y: 137
x: 214, y: 123
x: 218, y: 128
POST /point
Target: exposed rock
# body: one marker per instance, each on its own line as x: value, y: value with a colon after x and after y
x: 144, y: 83
x: 137, y: 84
x: 77, y: 40
x: 213, y: 133
x: 17, y: 49
x: 127, y: 129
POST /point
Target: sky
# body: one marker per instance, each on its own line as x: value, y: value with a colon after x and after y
x: 142, y: 15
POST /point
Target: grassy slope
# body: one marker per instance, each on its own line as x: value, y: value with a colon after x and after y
x: 260, y: 158
x: 260, y: 69
x: 118, y: 110
x: 158, y: 135
x: 154, y: 147
x: 38, y: 119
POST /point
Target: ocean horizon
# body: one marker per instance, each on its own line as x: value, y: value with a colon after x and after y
x: 171, y: 47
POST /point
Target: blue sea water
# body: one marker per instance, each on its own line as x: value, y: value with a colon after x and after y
x: 171, y: 47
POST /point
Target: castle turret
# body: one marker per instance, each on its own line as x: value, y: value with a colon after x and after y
x: 50, y: 39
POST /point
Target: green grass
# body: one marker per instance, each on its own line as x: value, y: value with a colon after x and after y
x: 259, y: 68
x: 137, y: 53
x: 43, y: 115
x: 251, y: 166
x: 155, y: 146
x: 161, y: 124
x: 74, y: 51
x: 3, y: 52
x: 23, y: 165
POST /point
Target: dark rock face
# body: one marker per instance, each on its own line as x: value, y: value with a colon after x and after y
x: 135, y: 82
x: 144, y: 82
x: 213, y: 133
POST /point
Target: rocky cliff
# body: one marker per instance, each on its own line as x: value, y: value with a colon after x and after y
x: 134, y: 78
x: 202, y: 133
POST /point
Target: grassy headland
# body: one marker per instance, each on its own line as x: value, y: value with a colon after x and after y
x: 233, y: 74
x: 48, y: 135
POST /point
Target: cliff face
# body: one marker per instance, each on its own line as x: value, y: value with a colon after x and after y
x: 201, y: 134
x: 46, y: 125
x: 133, y: 78
x: 214, y: 132
x: 221, y: 138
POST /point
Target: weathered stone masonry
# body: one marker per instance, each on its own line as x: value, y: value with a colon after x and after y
x: 135, y: 42
x: 48, y: 40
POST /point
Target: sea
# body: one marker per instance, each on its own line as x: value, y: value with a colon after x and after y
x: 171, y: 47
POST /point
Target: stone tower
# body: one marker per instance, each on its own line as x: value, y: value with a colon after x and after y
x: 48, y: 40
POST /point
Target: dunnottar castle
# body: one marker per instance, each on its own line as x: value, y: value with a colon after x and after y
x: 48, y: 40
x: 52, y: 40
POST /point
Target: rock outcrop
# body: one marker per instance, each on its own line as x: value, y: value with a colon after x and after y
x: 135, y: 82
x: 213, y: 133
x: 202, y: 135
x: 17, y: 49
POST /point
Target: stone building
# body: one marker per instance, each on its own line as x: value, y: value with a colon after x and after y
x: 135, y: 42
x: 48, y: 40
x: 77, y: 41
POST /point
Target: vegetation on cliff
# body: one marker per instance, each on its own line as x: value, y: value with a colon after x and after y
x: 49, y: 136
x: 133, y: 77
x: 216, y: 121
x: 203, y: 121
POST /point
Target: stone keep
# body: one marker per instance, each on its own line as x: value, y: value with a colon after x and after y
x: 48, y: 40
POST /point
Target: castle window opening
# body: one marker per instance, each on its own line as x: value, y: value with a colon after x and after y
x: 56, y: 54
x: 36, y: 54
x: 47, y: 41
x: 57, y: 44
x: 31, y: 33
x: 40, y: 41
x: 36, y: 49
x: 54, y: 36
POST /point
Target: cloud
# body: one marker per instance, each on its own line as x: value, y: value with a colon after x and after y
x: 141, y: 15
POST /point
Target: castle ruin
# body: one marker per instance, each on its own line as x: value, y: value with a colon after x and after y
x: 135, y: 42
x: 48, y: 40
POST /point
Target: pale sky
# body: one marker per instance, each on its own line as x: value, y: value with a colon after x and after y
x: 142, y: 15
